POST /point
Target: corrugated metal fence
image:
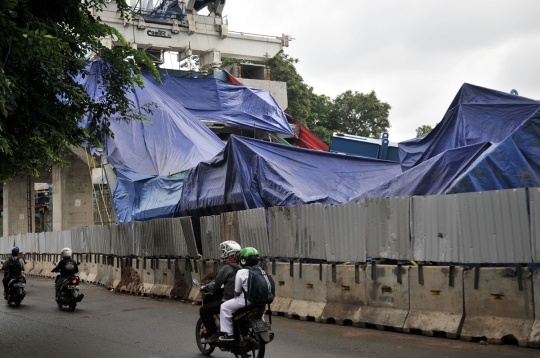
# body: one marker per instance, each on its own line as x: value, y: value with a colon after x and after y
x: 486, y: 227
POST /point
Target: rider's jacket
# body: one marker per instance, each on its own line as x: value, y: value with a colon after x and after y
x: 66, y: 267
x: 13, y: 267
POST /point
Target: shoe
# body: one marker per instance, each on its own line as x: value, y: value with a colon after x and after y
x: 226, y: 338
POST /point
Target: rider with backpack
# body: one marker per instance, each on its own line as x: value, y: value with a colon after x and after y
x: 225, y: 277
x: 252, y: 286
x: 12, y: 267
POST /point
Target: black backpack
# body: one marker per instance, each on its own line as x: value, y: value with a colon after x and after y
x: 14, y: 267
x: 261, y: 287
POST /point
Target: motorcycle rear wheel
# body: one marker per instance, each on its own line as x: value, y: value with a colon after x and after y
x: 205, y: 348
x: 17, y: 302
x: 259, y: 352
x: 72, y: 306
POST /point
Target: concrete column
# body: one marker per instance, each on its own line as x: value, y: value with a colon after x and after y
x: 72, y: 195
x: 15, y: 220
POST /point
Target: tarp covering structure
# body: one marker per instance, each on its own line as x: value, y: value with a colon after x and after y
x: 174, y: 140
x: 250, y: 173
x: 144, y: 153
x: 513, y: 163
x: 144, y: 197
x: 432, y: 177
x: 476, y: 115
x: 215, y: 100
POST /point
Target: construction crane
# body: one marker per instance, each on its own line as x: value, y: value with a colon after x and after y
x: 173, y: 25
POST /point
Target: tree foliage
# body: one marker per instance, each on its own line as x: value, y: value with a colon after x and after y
x: 423, y: 129
x: 43, y: 47
x: 351, y: 112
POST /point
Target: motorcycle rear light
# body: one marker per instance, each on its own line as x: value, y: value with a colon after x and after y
x: 75, y: 281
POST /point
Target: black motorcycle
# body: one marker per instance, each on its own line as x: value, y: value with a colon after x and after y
x: 69, y: 292
x: 251, y: 333
x: 16, y: 290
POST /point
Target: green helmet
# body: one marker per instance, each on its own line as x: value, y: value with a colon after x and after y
x: 249, y: 256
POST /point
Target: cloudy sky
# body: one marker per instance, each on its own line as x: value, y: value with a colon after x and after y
x: 415, y: 54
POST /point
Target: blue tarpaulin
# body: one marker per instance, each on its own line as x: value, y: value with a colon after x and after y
x: 250, y: 173
x: 174, y: 140
x: 144, y: 197
x: 476, y: 115
x: 513, y: 163
x: 215, y: 100
x: 431, y: 177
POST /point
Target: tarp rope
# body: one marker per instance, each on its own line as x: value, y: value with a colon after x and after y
x: 92, y: 183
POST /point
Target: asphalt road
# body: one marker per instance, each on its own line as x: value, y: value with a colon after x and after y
x: 108, y: 324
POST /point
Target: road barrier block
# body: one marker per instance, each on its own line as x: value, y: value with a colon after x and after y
x: 116, y: 272
x: 195, y: 268
x: 284, y: 286
x: 131, y: 281
x: 500, y: 307
x: 346, y: 290
x: 387, y: 299
x: 92, y: 268
x: 105, y: 273
x: 84, y: 269
x: 534, y: 339
x: 434, y: 304
x: 309, y: 290
x: 163, y: 278
x: 38, y: 268
x: 29, y: 267
x: 182, y: 280
x: 147, y: 276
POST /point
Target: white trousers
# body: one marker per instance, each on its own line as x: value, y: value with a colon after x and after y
x: 226, y: 313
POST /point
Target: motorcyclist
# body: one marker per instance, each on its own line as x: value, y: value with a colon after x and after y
x: 225, y: 277
x: 249, y: 256
x: 67, y: 267
x: 12, y: 267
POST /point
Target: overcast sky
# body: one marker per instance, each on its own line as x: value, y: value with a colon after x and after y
x: 414, y: 54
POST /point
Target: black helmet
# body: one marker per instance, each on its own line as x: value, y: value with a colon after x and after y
x: 249, y: 256
x: 15, y: 251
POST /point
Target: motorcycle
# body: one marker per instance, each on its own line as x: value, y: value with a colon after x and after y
x: 68, y: 294
x: 251, y: 333
x: 16, y: 290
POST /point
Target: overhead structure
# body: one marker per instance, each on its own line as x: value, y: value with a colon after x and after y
x: 168, y: 25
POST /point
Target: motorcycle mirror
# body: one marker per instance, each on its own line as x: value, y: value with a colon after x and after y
x: 196, y: 282
x: 54, y: 263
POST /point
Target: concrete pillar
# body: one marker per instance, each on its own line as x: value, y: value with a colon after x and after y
x: 16, y: 214
x: 72, y: 195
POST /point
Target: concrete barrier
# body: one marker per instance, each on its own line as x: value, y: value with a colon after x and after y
x: 29, y: 267
x: 346, y: 296
x: 195, y: 269
x: 105, y: 270
x: 309, y: 290
x: 101, y: 267
x: 284, y: 287
x: 84, y: 268
x: 434, y: 304
x: 147, y: 276
x: 116, y: 272
x: 182, y: 281
x: 131, y: 281
x: 38, y: 267
x: 92, y: 268
x: 498, y: 309
x: 163, y: 278
x: 534, y: 339
x: 387, y: 300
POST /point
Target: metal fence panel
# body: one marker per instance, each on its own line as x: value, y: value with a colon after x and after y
x: 51, y: 243
x: 253, y: 230
x: 310, y: 240
x: 6, y: 244
x: 64, y: 240
x: 495, y: 226
x: 19, y: 242
x: 211, y: 237
x: 534, y: 205
x: 135, y: 234
x: 388, y: 228
x: 344, y: 232
x: 119, y: 240
x: 178, y: 241
x: 229, y: 227
x: 281, y: 231
x: 144, y: 233
x: 434, y: 230
x: 189, y: 236
x: 77, y: 241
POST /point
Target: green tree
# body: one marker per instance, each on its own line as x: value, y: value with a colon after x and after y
x: 43, y: 47
x: 423, y: 129
x: 359, y: 114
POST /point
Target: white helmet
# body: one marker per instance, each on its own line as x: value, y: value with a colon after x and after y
x: 66, y: 253
x: 229, y: 249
